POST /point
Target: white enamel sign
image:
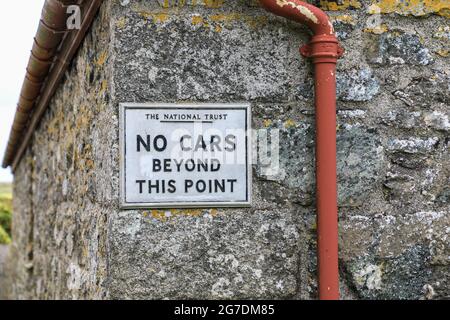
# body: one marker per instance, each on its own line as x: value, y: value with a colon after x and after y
x: 185, y: 155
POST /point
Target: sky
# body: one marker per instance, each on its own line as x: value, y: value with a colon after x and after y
x: 18, y: 24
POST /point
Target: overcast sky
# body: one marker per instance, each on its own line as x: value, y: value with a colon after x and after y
x: 18, y: 24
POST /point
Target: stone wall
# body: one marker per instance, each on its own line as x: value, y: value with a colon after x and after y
x: 72, y: 241
x: 61, y: 200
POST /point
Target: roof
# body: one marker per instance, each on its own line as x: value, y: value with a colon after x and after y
x: 54, y: 47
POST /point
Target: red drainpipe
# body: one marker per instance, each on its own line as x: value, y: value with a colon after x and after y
x: 324, y: 50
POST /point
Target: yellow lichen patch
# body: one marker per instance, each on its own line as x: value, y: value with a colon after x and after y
x: 89, y: 164
x: 443, y: 53
x: 196, y: 20
x: 397, y: 34
x: 145, y: 14
x: 339, y: 5
x: 443, y: 33
x: 88, y: 70
x: 101, y: 59
x: 160, y: 17
x: 378, y: 29
x: 166, y: 4
x: 225, y: 17
x: 121, y: 22
x: 53, y: 125
x: 103, y: 87
x: 84, y: 118
x: 156, y: 17
x: 169, y: 214
x: 411, y: 7
x: 213, y: 3
x: 267, y: 122
x: 255, y: 22
x: 345, y: 19
x: 289, y: 124
x: 171, y: 3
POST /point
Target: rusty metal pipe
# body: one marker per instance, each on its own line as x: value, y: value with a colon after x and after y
x: 324, y: 50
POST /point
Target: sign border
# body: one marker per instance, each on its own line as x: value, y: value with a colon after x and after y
x: 179, y: 205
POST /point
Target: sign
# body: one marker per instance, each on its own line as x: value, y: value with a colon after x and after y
x: 185, y: 155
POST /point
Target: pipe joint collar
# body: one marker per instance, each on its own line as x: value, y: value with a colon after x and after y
x: 323, y: 49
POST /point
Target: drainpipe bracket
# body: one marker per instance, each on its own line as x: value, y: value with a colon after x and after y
x: 305, y: 51
x: 308, y: 51
x: 340, y: 52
